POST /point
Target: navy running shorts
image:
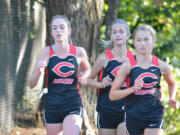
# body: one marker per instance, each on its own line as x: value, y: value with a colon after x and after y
x: 109, y: 122
x: 58, y: 117
x: 137, y: 126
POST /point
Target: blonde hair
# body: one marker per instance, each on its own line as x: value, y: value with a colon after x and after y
x: 66, y: 20
x: 108, y: 43
x: 145, y: 27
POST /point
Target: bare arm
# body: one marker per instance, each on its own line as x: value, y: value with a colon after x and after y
x: 84, y: 65
x: 39, y: 67
x: 167, y: 74
x: 116, y: 92
x: 100, y: 63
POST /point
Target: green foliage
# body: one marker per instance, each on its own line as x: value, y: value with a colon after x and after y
x: 32, y: 35
x: 163, y: 15
x: 172, y: 117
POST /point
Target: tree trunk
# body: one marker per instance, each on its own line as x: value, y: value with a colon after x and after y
x: 86, y: 17
x: 111, y: 14
x: 6, y: 72
x: 22, y: 35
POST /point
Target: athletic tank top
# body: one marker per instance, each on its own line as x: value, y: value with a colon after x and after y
x: 62, y: 81
x: 104, y: 105
x: 145, y: 103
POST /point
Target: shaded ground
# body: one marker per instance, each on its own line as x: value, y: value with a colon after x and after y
x: 32, y: 124
x: 28, y: 131
x: 28, y: 124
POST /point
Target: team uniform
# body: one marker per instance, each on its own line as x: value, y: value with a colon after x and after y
x: 143, y: 108
x: 63, y: 97
x: 110, y: 113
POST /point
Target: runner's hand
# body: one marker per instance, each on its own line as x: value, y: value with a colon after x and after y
x: 138, y: 84
x: 107, y: 81
x: 41, y: 65
x: 83, y: 79
x: 174, y: 103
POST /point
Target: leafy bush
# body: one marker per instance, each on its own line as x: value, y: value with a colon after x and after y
x: 172, y: 117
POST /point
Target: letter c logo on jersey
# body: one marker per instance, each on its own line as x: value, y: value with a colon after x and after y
x: 152, y: 76
x: 58, y: 69
x: 115, y: 70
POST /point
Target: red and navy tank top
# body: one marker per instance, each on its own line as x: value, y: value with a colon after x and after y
x: 104, y: 105
x: 145, y: 103
x: 62, y: 81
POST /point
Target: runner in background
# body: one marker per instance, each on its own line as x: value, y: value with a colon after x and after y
x: 110, y: 120
x: 144, y: 111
